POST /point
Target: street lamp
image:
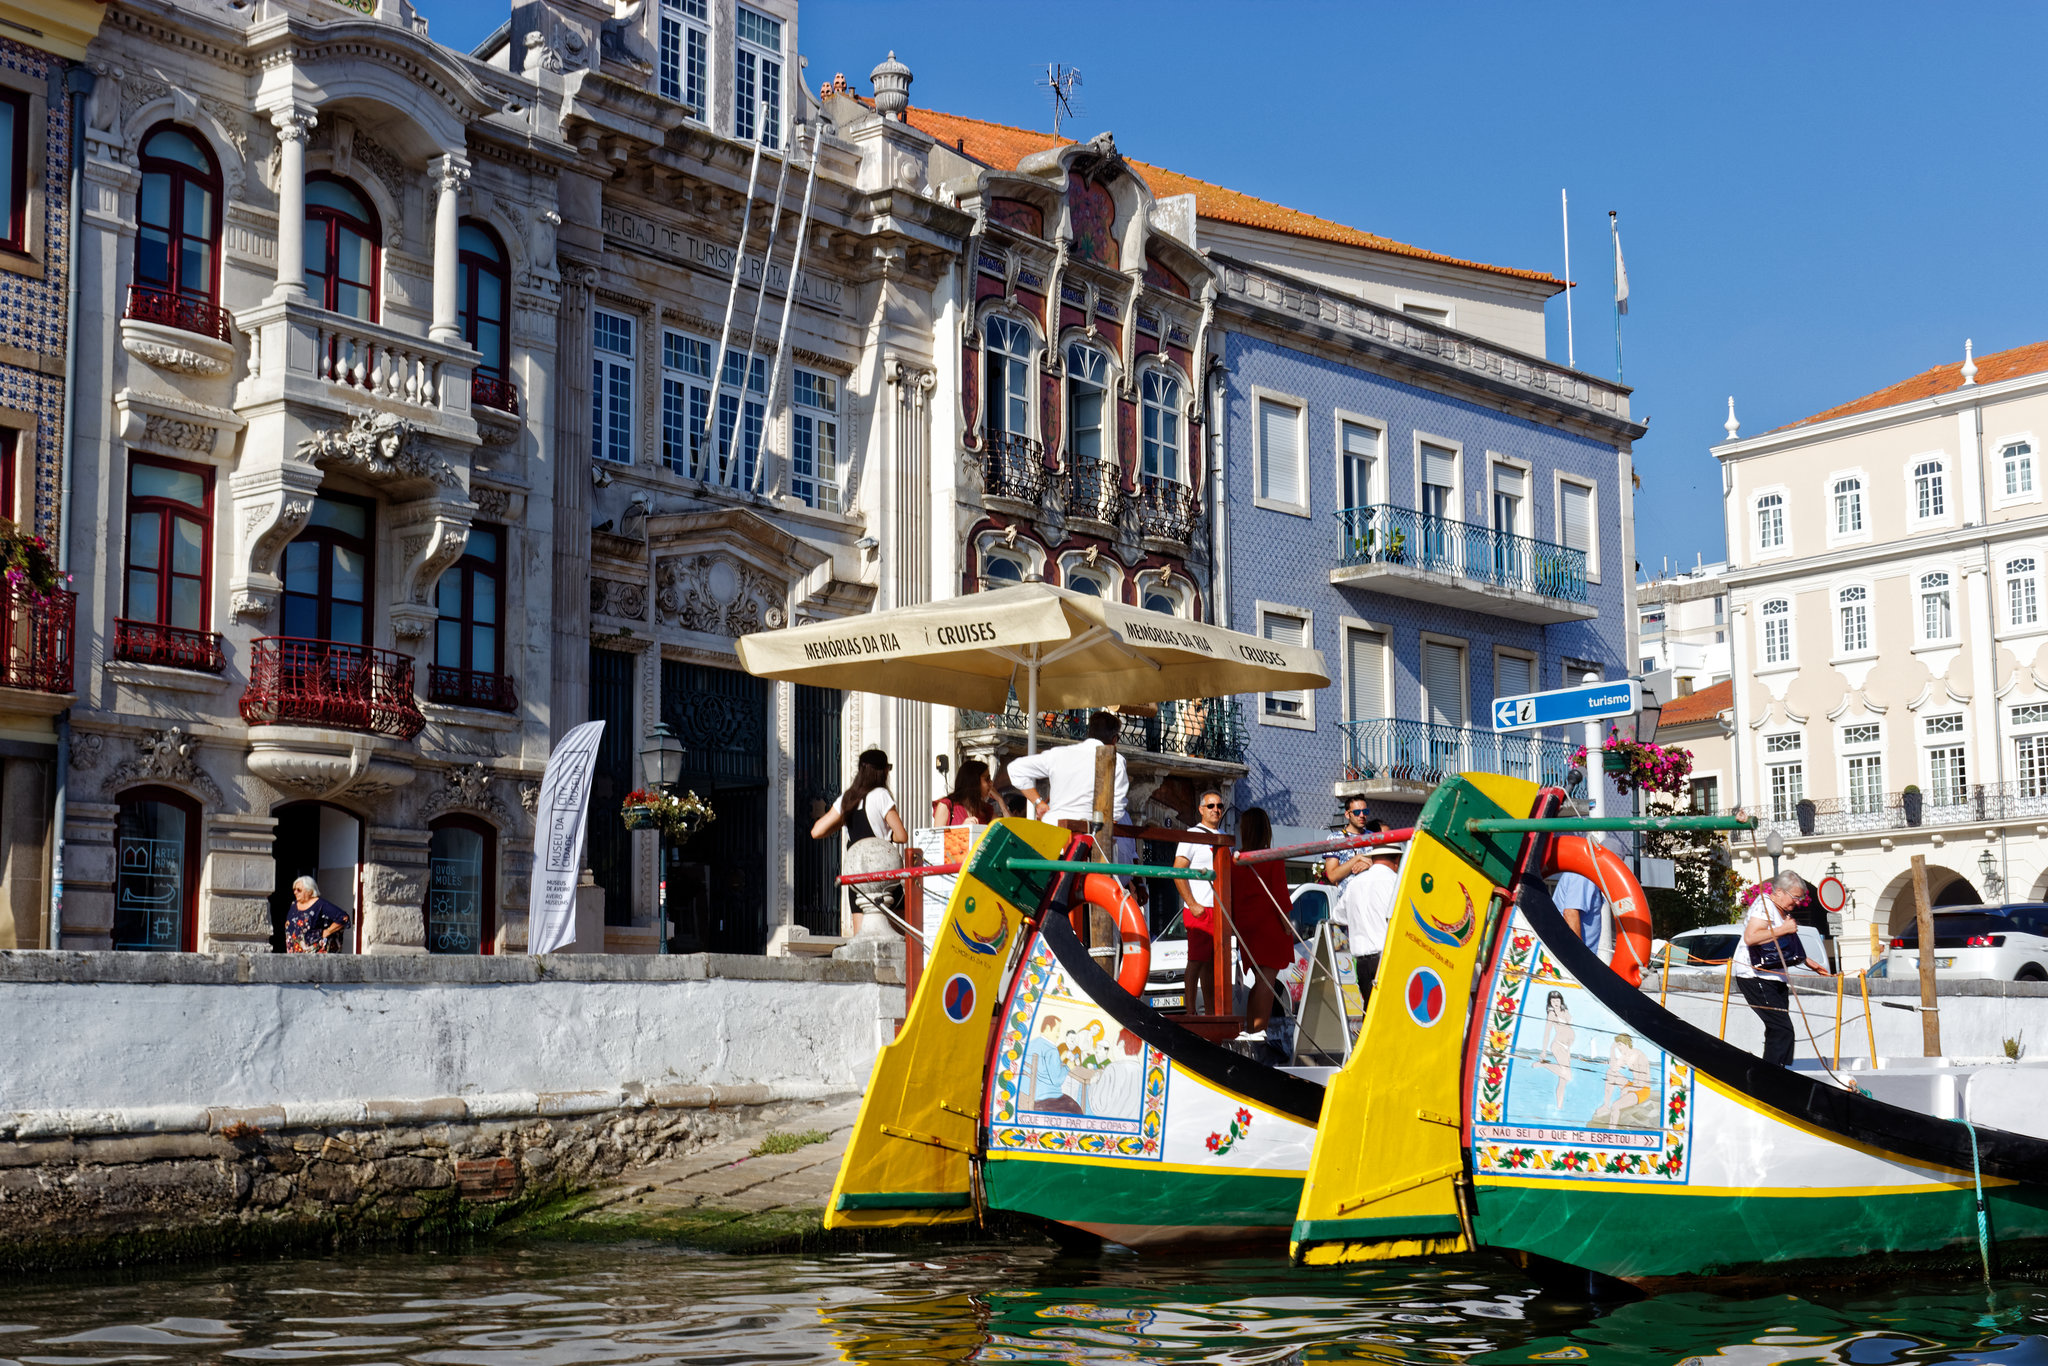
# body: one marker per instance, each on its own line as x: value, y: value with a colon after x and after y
x: 1834, y: 869
x: 1987, y: 864
x: 661, y: 767
x: 1774, y: 845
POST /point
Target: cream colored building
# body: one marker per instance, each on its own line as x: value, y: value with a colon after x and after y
x: 1890, y: 646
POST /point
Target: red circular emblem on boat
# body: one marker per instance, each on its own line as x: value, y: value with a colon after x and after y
x: 1425, y: 997
x: 959, y: 997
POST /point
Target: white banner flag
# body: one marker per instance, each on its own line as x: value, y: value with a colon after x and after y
x: 558, y: 838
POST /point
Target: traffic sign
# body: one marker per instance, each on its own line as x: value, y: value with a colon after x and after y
x: 1833, y: 895
x: 1591, y: 702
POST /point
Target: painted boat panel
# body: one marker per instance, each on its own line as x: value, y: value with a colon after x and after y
x: 908, y: 1161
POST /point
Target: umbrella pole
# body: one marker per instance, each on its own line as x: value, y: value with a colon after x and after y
x: 1031, y: 707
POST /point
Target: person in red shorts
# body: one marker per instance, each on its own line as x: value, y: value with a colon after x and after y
x: 1258, y: 910
x: 1198, y: 903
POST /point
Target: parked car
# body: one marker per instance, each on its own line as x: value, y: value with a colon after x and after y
x: 1710, y: 947
x: 2007, y: 943
x: 1166, y: 985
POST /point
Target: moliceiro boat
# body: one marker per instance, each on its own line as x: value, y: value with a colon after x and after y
x: 1545, y: 1107
x: 1026, y: 1079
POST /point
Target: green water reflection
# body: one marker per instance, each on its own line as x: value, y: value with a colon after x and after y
x: 565, y: 1305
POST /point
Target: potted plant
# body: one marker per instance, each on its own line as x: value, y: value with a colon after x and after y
x: 1805, y: 812
x: 678, y: 818
x: 1910, y: 799
x: 1641, y: 765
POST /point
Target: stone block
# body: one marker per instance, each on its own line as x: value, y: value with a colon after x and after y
x: 151, y: 1148
x: 433, y: 1110
x: 411, y: 1173
x: 487, y: 1178
x: 237, y: 915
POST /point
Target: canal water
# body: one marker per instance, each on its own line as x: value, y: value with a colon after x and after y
x: 565, y: 1304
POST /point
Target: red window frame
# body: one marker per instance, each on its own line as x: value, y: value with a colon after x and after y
x: 17, y: 187
x: 472, y: 265
x: 188, y: 915
x: 487, y: 909
x: 180, y: 174
x: 469, y: 569
x: 327, y: 538
x: 166, y: 509
x: 326, y: 219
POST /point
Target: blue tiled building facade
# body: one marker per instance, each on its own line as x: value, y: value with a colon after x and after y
x: 1446, y: 520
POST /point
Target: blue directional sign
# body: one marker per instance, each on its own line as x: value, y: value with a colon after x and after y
x: 1590, y: 702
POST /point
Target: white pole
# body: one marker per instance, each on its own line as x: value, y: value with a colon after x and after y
x: 796, y: 261
x: 754, y: 329
x: 1031, y: 707
x: 739, y: 262
x: 1570, y: 354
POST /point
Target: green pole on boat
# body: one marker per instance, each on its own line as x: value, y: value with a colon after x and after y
x: 1053, y: 865
x: 1573, y: 825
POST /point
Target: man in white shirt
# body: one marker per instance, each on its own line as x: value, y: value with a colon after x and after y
x: 1368, y: 908
x: 1068, y: 774
x: 1197, y: 898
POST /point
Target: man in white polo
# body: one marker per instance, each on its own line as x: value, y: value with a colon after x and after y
x: 1068, y: 774
x: 1198, y: 901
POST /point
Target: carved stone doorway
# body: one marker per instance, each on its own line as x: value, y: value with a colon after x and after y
x: 325, y: 843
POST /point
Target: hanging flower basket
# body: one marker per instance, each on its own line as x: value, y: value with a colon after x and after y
x: 1642, y: 765
x: 677, y: 818
x: 28, y: 566
x: 1614, y: 761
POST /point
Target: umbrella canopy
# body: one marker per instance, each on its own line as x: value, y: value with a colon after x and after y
x: 1066, y: 649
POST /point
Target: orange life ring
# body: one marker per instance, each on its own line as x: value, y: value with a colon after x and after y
x: 1607, y: 871
x: 1134, y: 935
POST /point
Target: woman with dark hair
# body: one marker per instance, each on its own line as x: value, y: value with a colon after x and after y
x: 866, y: 810
x: 973, y: 797
x: 1258, y: 912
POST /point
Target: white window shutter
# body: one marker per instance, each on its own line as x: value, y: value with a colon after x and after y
x: 1365, y: 656
x: 1577, y: 501
x: 1513, y: 676
x: 1443, y: 676
x: 1439, y: 466
x: 1279, y: 452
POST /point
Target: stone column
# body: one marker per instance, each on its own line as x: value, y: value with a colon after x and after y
x: 450, y: 174
x: 569, y: 701
x: 293, y: 125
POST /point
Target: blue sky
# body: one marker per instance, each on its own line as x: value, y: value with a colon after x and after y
x: 1816, y: 199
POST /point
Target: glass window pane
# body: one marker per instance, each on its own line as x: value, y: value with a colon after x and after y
x: 143, y: 531
x: 187, y: 604
x: 153, y: 207
x: 333, y: 194
x: 152, y: 257
x: 475, y: 240
x: 142, y: 595
x: 347, y: 625
x: 351, y: 519
x: 174, y: 144
x: 483, y: 649
x: 483, y: 598
x: 302, y: 567
x: 198, y: 212
x: 348, y: 575
x: 448, y: 593
x: 447, y: 639
x: 159, y: 481
x: 188, y: 546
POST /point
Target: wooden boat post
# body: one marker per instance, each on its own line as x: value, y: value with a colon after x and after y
x: 1869, y: 1025
x: 1923, y: 914
x: 1727, y: 981
x: 1838, y: 1021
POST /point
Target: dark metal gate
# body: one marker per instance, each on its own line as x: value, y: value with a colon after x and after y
x: 815, y: 783
x: 610, y: 843
x: 721, y: 716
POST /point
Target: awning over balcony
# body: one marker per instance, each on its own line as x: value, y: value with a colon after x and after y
x: 1408, y: 554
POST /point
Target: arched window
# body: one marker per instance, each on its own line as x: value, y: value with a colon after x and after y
x: 1777, y: 619
x: 462, y: 862
x: 342, y: 242
x: 1082, y: 581
x: 177, y: 241
x: 170, y: 514
x: 1848, y: 506
x: 484, y: 287
x: 1160, y: 405
x: 1770, y: 521
x: 1009, y: 378
x: 1087, y: 403
x: 1930, y: 498
x: 327, y: 573
x: 156, y: 870
x: 999, y: 570
x: 2022, y: 592
x: 1853, y: 607
x: 468, y: 667
x: 1937, y: 610
x: 2018, y: 462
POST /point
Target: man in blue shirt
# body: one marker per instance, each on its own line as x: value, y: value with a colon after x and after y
x: 1581, y: 903
x: 1048, y: 1072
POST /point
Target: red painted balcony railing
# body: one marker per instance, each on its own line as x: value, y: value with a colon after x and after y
x: 295, y: 682
x: 177, y: 647
x: 488, y: 391
x: 167, y: 308
x: 468, y: 688
x: 36, y: 638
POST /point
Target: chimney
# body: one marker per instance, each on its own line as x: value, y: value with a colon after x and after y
x: 891, y: 81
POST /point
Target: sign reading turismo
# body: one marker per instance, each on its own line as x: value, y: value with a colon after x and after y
x: 1592, y: 702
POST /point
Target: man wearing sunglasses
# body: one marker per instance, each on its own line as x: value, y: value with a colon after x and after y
x: 1198, y: 903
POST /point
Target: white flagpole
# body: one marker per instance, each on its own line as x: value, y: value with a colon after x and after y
x: 739, y: 264
x: 1571, y: 357
x: 1620, y: 289
x: 796, y: 261
x: 754, y: 332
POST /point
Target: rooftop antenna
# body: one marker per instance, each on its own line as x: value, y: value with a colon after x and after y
x: 1060, y: 79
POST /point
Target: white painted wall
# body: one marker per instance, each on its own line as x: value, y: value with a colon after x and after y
x: 126, y: 1045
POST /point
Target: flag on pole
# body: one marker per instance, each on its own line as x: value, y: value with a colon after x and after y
x: 1620, y: 270
x: 558, y: 839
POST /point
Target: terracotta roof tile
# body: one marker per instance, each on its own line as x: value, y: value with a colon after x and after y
x: 1942, y: 379
x: 1002, y: 147
x: 1703, y: 705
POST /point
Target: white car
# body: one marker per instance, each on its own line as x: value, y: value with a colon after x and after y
x: 1165, y: 986
x: 1709, y: 946
x: 2001, y: 942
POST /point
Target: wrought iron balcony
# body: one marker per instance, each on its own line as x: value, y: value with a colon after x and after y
x: 36, y: 639
x: 1014, y: 467
x: 296, y: 682
x: 167, y: 308
x: 1199, y: 728
x: 1393, y: 754
x: 175, y: 647
x: 468, y: 688
x: 1970, y: 804
x: 1166, y: 509
x: 1415, y: 555
x: 490, y: 391
x: 1094, y: 489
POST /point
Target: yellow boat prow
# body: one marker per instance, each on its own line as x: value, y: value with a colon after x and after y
x: 1387, y: 1178
x: 909, y: 1160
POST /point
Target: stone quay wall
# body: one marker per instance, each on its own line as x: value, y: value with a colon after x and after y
x: 165, y: 1105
